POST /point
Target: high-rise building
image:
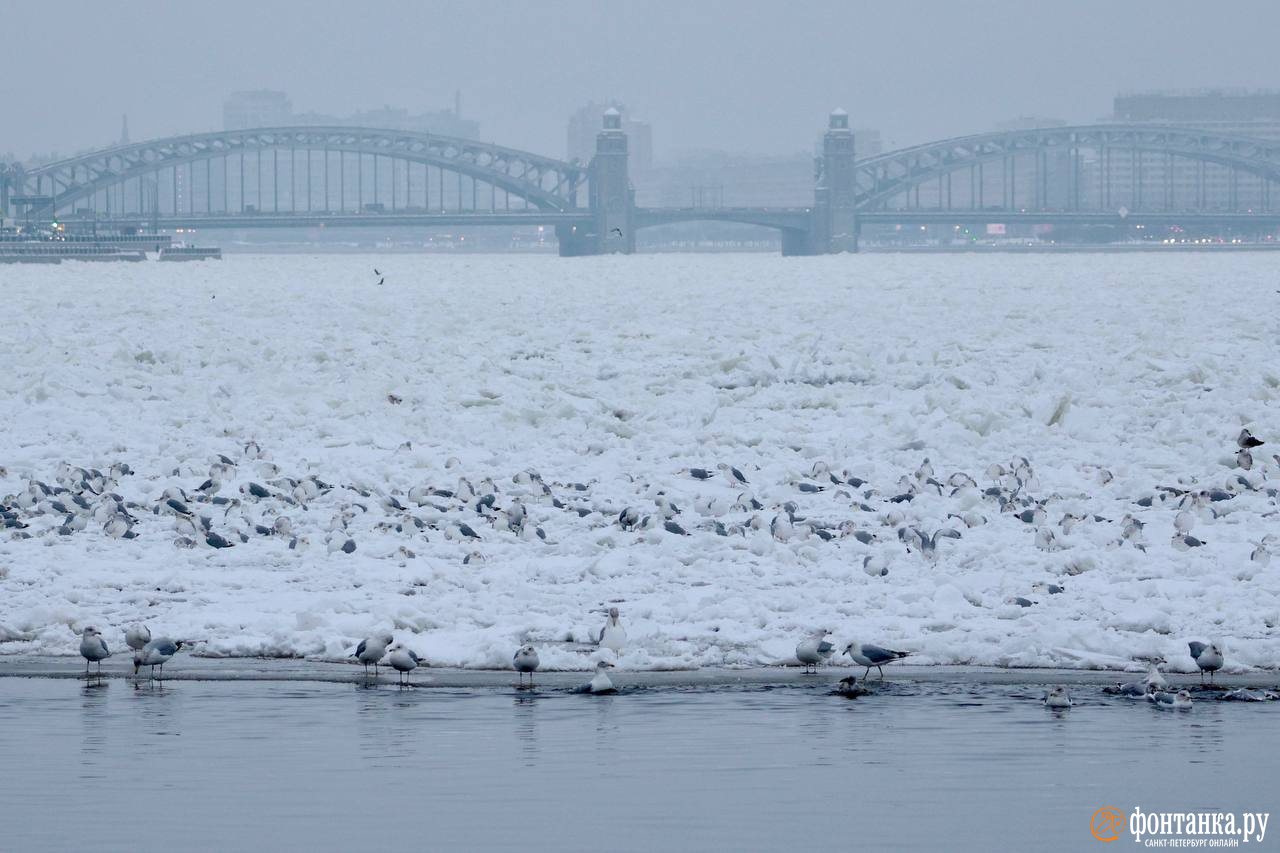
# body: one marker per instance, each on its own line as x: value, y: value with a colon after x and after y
x: 584, y: 124
x: 1181, y: 183
x: 258, y: 108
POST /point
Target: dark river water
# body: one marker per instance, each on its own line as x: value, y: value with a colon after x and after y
x: 920, y: 765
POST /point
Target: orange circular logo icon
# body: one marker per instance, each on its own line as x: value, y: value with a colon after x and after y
x: 1108, y: 823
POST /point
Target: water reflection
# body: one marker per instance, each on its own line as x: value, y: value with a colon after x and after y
x: 497, y: 768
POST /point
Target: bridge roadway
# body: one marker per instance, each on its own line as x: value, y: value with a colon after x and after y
x: 796, y: 219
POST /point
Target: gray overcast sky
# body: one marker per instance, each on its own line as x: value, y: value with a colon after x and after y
x: 742, y: 76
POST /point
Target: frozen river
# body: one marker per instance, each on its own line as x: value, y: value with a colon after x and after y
x: 477, y: 431
x: 944, y: 761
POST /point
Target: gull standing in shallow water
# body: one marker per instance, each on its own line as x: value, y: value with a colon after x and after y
x: 1208, y: 657
x: 865, y: 654
x: 525, y: 660
x: 814, y: 650
x: 94, y: 649
x: 612, y: 635
x: 371, y: 650
x: 155, y: 653
x: 601, y: 683
x: 403, y: 661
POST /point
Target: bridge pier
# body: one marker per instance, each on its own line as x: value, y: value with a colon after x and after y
x: 612, y: 199
x: 834, y: 227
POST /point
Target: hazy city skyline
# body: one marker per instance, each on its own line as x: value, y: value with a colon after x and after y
x: 754, y: 77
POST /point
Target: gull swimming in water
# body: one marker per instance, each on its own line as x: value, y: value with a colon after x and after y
x: 155, y: 653
x: 1208, y: 657
x: 371, y: 650
x: 865, y: 654
x: 612, y: 635
x: 137, y: 636
x: 403, y: 661
x: 93, y: 648
x: 601, y: 683
x: 849, y: 688
x: 1058, y: 699
x: 814, y: 651
x: 525, y: 660
x: 1179, y: 701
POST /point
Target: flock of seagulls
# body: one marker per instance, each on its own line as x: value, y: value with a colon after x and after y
x: 812, y: 652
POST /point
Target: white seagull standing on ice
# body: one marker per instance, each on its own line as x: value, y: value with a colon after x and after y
x: 865, y: 654
x: 815, y: 650
x: 525, y: 660
x: 403, y: 661
x: 1208, y: 657
x: 371, y: 650
x: 612, y: 635
x: 93, y: 648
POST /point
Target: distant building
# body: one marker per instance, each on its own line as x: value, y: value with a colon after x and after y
x: 264, y: 108
x: 1235, y: 111
x: 584, y: 124
x: 1180, y: 183
x: 258, y: 108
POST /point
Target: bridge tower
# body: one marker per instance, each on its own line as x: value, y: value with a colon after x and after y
x: 611, y: 197
x: 834, y: 226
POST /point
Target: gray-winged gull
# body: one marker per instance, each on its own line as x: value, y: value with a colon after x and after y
x: 93, y: 648
x: 1207, y: 656
x: 1163, y: 699
x: 371, y: 650
x: 865, y: 654
x: 155, y: 653
x: 525, y: 660
x: 814, y: 650
x: 403, y: 661
x: 612, y: 635
x: 601, y: 682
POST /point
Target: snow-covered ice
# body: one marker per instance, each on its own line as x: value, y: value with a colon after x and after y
x: 1113, y: 375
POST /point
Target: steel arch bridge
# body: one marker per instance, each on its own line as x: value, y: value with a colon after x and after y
x: 129, y: 178
x: 1110, y: 174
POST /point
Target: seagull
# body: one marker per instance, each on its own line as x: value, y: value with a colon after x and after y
x: 1207, y: 656
x: 1179, y: 701
x: 617, y: 231
x: 865, y: 654
x: 1246, y: 440
x: 1185, y: 542
x: 93, y: 648
x: 814, y: 651
x: 600, y: 683
x: 371, y: 650
x: 403, y: 661
x: 1244, y: 459
x: 848, y: 687
x: 155, y: 653
x: 137, y: 636
x: 612, y: 635
x: 733, y: 475
x: 525, y: 660
x: 1058, y: 699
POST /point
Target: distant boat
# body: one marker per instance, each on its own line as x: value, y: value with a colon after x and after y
x: 190, y: 253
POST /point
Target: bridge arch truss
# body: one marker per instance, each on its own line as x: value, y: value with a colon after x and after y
x: 302, y: 169
x: 1105, y: 168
